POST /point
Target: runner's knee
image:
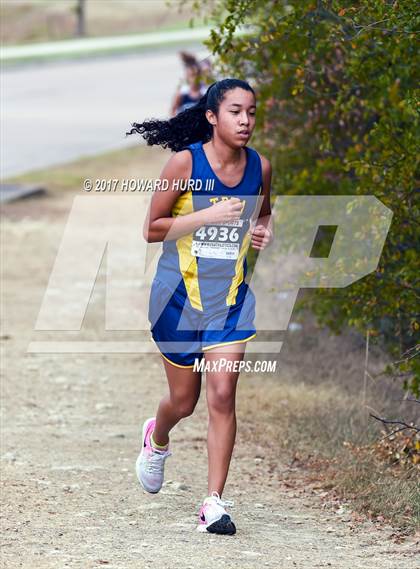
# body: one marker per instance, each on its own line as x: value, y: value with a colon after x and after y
x: 184, y: 406
x: 221, y: 398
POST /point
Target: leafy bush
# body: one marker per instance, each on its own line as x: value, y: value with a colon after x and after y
x: 338, y: 114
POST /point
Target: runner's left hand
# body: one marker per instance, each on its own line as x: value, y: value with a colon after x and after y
x: 260, y: 237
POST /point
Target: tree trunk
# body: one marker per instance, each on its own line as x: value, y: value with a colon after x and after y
x: 81, y: 18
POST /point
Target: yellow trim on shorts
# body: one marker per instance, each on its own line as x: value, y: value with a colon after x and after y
x: 173, y: 363
x: 227, y: 343
x: 167, y: 359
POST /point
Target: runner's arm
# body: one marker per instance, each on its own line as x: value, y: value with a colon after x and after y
x: 159, y: 224
x: 176, y: 101
x: 263, y: 231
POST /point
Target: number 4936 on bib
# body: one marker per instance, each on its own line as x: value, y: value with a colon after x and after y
x: 217, y: 241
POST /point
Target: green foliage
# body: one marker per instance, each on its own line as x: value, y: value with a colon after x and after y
x: 338, y: 114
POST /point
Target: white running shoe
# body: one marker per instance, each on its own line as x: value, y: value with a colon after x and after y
x: 150, y: 463
x: 213, y: 516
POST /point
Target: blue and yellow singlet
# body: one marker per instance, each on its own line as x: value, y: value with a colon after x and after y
x: 208, y: 267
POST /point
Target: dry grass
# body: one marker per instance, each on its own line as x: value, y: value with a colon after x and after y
x: 137, y: 161
x: 322, y: 425
x: 378, y: 489
x: 26, y: 21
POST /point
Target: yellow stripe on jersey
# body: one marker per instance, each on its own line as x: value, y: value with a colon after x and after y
x: 187, y: 261
x: 239, y: 268
x: 183, y: 202
x: 239, y: 272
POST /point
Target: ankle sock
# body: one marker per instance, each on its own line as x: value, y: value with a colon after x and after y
x: 156, y: 446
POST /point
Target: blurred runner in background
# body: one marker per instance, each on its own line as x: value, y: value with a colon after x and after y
x: 194, y: 86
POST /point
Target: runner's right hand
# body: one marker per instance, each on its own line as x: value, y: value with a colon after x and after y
x: 225, y: 210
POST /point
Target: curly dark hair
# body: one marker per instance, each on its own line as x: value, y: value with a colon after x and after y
x: 190, y: 125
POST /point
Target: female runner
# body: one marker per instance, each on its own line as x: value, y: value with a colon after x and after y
x: 193, y: 89
x: 200, y: 305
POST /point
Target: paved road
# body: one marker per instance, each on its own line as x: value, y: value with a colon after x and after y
x: 56, y: 112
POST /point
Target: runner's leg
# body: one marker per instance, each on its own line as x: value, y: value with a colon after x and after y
x: 221, y: 392
x: 184, y: 392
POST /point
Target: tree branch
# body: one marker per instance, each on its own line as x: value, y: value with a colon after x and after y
x: 401, y: 423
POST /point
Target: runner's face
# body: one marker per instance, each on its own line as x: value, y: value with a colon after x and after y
x: 235, y: 120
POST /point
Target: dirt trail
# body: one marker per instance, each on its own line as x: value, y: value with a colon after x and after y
x: 71, y: 437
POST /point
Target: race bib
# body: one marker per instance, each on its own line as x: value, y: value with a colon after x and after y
x: 218, y: 240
